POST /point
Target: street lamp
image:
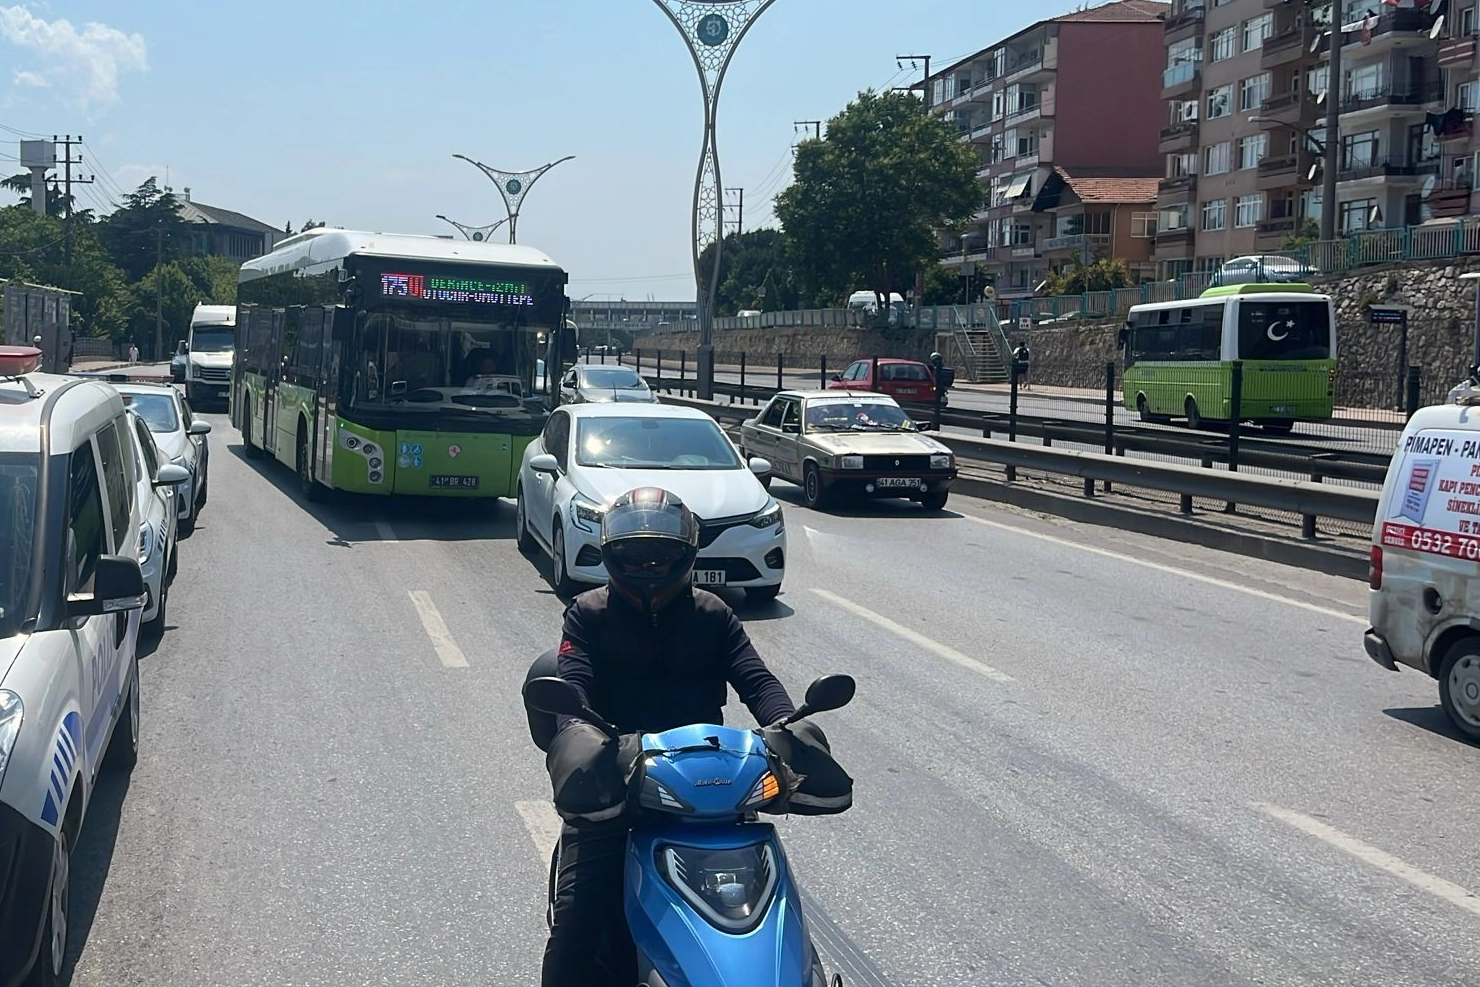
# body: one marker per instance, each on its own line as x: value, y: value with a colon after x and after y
x: 476, y: 233
x: 513, y: 186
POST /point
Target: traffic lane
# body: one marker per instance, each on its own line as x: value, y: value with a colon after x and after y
x: 1045, y: 795
x: 310, y: 807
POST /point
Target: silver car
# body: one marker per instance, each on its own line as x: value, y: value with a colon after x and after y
x: 596, y: 383
x: 180, y: 436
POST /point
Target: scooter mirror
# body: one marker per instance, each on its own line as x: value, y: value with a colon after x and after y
x: 830, y: 692
x: 552, y: 695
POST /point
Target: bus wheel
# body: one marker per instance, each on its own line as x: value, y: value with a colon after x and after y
x: 1282, y: 426
x: 306, y: 483
x: 1194, y: 417
x: 248, y: 449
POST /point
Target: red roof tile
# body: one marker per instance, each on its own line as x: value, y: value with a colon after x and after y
x: 1120, y: 10
x: 1112, y: 188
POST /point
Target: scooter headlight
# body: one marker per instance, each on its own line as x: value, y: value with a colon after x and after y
x: 731, y: 888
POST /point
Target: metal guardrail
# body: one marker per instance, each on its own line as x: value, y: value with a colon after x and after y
x: 1308, y: 498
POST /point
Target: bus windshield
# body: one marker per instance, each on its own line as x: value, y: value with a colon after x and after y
x: 212, y: 339
x: 425, y: 363
x: 1284, y: 330
x: 18, y: 476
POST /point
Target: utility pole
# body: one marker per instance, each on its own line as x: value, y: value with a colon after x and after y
x: 816, y: 126
x: 925, y: 102
x: 67, y: 182
x: 158, y: 291
x: 1333, y: 127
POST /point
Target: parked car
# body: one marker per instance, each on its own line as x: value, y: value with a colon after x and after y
x: 180, y: 435
x: 1263, y: 269
x: 69, y: 631
x: 590, y: 454
x: 910, y: 381
x: 587, y: 383
x: 862, y: 444
x: 158, y: 521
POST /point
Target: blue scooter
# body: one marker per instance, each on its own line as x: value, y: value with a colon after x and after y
x: 709, y: 898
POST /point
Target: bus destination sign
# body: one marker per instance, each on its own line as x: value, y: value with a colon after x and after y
x: 457, y: 290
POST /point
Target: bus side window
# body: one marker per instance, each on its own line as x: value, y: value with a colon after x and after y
x: 1212, y: 334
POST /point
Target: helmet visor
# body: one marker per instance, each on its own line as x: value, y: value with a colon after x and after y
x: 630, y: 520
x: 645, y: 558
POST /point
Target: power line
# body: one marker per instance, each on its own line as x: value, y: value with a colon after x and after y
x: 22, y: 133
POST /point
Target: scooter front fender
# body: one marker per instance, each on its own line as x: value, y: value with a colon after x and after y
x: 683, y: 948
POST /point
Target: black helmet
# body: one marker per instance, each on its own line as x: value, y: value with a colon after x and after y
x: 649, y: 541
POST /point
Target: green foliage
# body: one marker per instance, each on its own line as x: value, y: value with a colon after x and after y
x: 1309, y: 232
x: 146, y: 231
x: 870, y: 198
x: 214, y: 277
x: 1105, y: 274
x: 754, y: 273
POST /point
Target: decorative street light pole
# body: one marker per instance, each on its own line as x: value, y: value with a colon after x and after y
x: 513, y: 186
x: 713, y: 30
x: 478, y: 233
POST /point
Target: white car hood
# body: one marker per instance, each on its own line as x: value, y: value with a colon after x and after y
x: 10, y: 648
x: 218, y: 360
x: 710, y: 494
x: 877, y: 443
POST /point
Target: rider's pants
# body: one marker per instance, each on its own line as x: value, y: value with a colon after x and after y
x: 588, y: 909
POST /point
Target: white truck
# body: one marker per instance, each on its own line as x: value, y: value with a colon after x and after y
x: 210, y: 352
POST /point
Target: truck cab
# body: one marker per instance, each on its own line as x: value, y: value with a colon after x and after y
x: 210, y: 354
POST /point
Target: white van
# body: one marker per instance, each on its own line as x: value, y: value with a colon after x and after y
x: 1424, y: 597
x: 210, y: 352
x: 868, y: 301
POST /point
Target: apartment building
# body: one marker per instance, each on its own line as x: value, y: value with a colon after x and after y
x: 1246, y: 88
x: 1081, y: 92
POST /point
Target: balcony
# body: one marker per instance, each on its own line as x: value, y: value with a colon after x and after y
x: 1079, y: 243
x: 1395, y: 97
x: 1453, y: 199
x: 1179, y: 27
x: 1286, y: 47
x: 1457, y: 53
x: 1023, y: 114
x: 1273, y: 231
x: 1181, y: 137
x: 1174, y: 238
x: 1181, y: 80
x: 1024, y: 64
x: 1387, y: 168
x: 1395, y: 26
x: 1175, y: 190
x: 1290, y: 109
x: 1285, y: 171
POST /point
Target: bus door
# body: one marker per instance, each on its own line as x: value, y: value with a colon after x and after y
x: 314, y: 332
x: 272, y: 372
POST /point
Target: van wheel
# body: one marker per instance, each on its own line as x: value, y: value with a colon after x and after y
x: 1194, y: 417
x: 1280, y: 426
x: 51, y: 959
x: 1459, y: 687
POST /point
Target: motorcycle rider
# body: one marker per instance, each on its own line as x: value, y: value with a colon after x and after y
x: 649, y: 653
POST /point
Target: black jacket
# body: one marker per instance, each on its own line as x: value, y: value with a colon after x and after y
x: 649, y: 673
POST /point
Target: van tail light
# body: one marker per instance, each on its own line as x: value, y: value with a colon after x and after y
x: 1374, y: 568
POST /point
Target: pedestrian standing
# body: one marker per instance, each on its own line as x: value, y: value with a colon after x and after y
x: 133, y: 353
x: 1022, y: 358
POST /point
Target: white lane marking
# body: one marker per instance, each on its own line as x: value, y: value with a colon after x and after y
x: 385, y: 531
x: 1381, y: 859
x: 1173, y: 570
x: 935, y: 647
x: 431, y: 619
x: 543, y: 825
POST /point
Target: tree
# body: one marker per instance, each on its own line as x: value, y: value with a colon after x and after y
x: 148, y: 230
x: 214, y: 277
x: 56, y: 202
x: 1105, y: 274
x: 754, y: 273
x: 1309, y: 232
x: 31, y: 249
x: 178, y: 296
x: 871, y: 198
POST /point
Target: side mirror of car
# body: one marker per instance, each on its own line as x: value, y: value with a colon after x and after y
x: 760, y: 467
x: 837, y: 378
x: 170, y: 475
x: 199, y: 427
x: 118, y: 584
x: 545, y: 463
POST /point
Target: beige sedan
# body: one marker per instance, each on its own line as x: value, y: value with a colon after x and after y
x: 839, y: 442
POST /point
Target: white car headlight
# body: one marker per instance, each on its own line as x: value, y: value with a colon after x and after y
x: 940, y: 461
x: 146, y: 542
x: 11, y: 712
x: 586, y: 514
x: 851, y: 462
x: 769, y: 516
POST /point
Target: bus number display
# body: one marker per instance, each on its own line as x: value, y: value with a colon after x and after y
x: 460, y: 290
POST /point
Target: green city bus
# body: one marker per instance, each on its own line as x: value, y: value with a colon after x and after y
x: 1179, y: 356
x: 396, y: 364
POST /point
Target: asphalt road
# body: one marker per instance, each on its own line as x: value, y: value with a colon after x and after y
x: 1082, y: 757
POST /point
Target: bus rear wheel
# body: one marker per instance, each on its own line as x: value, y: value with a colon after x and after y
x: 249, y: 450
x: 1279, y: 426
x: 1143, y: 409
x: 1194, y: 417
x: 306, y: 482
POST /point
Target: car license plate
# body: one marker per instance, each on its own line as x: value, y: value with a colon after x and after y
x: 454, y: 482
x: 710, y: 577
x: 897, y: 481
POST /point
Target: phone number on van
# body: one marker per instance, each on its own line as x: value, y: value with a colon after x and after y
x: 1434, y: 542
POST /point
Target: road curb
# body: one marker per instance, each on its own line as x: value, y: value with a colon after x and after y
x: 1315, y: 557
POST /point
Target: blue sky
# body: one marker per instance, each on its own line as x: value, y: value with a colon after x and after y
x: 350, y: 112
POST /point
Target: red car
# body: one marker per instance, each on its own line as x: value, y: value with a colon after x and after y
x: 906, y: 381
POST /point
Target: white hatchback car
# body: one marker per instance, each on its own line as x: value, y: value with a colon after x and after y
x: 159, y: 519
x: 180, y: 436
x: 590, y: 454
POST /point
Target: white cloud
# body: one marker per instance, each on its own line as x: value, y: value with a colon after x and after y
x: 30, y: 80
x: 87, y: 61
